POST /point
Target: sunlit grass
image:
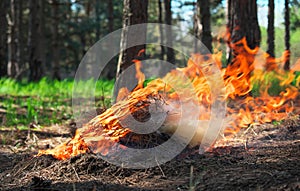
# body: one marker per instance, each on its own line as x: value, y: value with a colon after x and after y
x: 45, y: 102
x: 50, y: 101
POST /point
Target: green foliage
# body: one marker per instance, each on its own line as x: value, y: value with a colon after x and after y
x: 45, y: 102
x: 270, y: 83
x: 148, y: 80
x: 279, y: 42
x: 295, y: 45
x: 295, y: 15
x: 296, y: 79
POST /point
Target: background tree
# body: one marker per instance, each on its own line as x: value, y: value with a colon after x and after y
x: 110, y: 9
x: 271, y: 32
x: 294, y: 15
x: 35, y: 40
x: 287, y: 33
x: 54, y: 43
x: 161, y: 32
x: 64, y: 31
x: 169, y: 35
x: 134, y: 12
x: 12, y: 65
x: 204, y: 11
x: 20, y: 38
x: 243, y: 22
x: 3, y: 37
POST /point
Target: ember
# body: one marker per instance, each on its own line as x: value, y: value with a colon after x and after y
x: 254, y: 95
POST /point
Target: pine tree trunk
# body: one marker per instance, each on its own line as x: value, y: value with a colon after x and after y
x: 243, y: 25
x: 19, y: 38
x: 287, y: 33
x: 161, y: 32
x: 12, y: 65
x: 244, y: 22
x: 110, y: 8
x: 110, y: 69
x: 134, y: 12
x: 55, y: 46
x: 197, y: 27
x: 229, y: 26
x: 98, y: 26
x: 35, y: 41
x: 3, y: 37
x: 271, y: 45
x: 206, y: 37
x: 169, y: 36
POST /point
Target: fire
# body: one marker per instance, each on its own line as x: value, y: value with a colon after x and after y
x: 256, y: 90
x: 66, y: 150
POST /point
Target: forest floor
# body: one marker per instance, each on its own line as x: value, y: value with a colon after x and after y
x: 263, y: 157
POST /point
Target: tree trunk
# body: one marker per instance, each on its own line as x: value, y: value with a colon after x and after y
x: 12, y: 65
x: 169, y: 36
x: 243, y: 26
x: 35, y: 41
x: 287, y: 33
x: 161, y: 32
x: 229, y: 25
x: 134, y: 12
x: 55, y: 46
x: 206, y: 37
x: 271, y: 45
x: 98, y: 26
x: 244, y: 22
x: 197, y: 27
x: 3, y: 37
x: 110, y: 70
x: 110, y: 8
x: 19, y: 38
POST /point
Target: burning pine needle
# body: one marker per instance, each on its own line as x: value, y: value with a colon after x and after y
x: 254, y: 95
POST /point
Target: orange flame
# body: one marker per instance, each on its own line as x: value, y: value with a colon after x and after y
x: 249, y: 85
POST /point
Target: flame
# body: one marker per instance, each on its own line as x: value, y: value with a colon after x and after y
x: 257, y: 91
x: 66, y: 150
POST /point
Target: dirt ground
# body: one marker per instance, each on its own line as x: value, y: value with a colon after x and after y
x: 264, y: 157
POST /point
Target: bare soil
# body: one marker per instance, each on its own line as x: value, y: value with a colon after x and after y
x: 264, y: 157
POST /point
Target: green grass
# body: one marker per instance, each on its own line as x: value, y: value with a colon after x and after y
x: 49, y: 102
x: 272, y: 82
x: 45, y: 102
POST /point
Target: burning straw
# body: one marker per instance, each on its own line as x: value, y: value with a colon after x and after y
x: 249, y: 93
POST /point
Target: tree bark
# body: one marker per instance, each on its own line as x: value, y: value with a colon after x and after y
x: 287, y: 33
x: 110, y: 8
x: 243, y: 25
x: 3, y: 37
x: 169, y: 36
x: 55, y: 45
x: 12, y: 65
x: 206, y: 37
x: 98, y: 26
x: 19, y: 38
x: 244, y: 22
x: 271, y: 45
x: 229, y: 25
x: 134, y: 12
x: 161, y: 32
x: 36, y: 65
x: 197, y: 26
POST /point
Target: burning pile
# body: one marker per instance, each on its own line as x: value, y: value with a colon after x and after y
x: 253, y: 95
